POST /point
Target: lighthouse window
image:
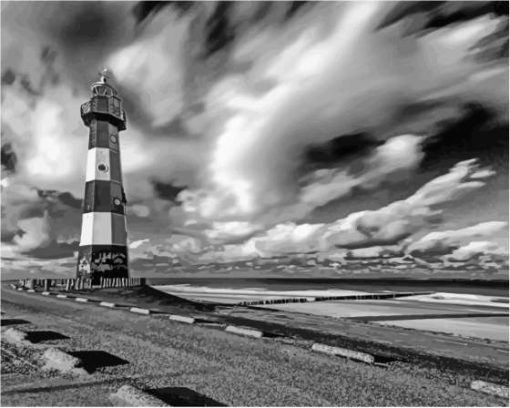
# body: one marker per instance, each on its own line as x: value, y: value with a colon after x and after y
x: 113, y: 138
x: 116, y: 201
x: 102, y: 167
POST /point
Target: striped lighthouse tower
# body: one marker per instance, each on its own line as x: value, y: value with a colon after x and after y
x: 103, y: 242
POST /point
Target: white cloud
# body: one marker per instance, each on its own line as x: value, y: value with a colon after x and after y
x: 443, y: 242
x: 138, y: 243
x: 222, y: 232
x: 388, y: 225
x: 153, y: 67
x: 139, y: 210
x: 399, y: 153
x: 36, y: 233
x: 475, y: 249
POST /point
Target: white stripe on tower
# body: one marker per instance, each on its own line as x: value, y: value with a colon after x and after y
x: 98, y: 164
x: 96, y: 229
x: 103, y: 228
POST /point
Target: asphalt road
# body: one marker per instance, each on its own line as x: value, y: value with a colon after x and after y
x: 219, y: 367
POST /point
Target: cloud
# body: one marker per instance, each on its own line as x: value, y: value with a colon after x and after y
x: 36, y: 233
x: 139, y: 210
x: 374, y: 252
x: 444, y: 242
x: 398, y: 156
x: 303, y: 88
x: 35, y: 238
x: 136, y: 244
x: 230, y: 232
x: 475, y: 249
x: 388, y: 225
x: 254, y: 119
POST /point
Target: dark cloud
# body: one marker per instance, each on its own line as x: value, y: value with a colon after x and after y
x: 424, y: 16
x: 167, y: 191
x: 219, y: 30
x: 476, y: 133
x: 70, y: 200
x: 338, y: 149
x: 8, y: 158
x: 8, y: 77
x: 437, y: 14
x: 54, y: 250
x: 493, y: 46
x: 295, y: 6
x: 144, y: 9
x: 431, y: 252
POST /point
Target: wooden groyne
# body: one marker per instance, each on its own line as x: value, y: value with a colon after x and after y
x: 384, y: 295
x: 67, y: 284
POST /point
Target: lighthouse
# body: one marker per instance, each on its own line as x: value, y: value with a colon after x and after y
x: 103, y: 243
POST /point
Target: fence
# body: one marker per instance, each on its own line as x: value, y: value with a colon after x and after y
x: 326, y: 298
x: 81, y: 283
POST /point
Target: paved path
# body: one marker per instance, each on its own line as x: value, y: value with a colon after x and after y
x: 219, y: 366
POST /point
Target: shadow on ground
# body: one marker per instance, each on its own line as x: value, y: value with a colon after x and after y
x: 94, y: 359
x: 183, y: 397
x: 10, y: 322
x: 44, y: 335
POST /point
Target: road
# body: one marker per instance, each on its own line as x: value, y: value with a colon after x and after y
x: 219, y: 367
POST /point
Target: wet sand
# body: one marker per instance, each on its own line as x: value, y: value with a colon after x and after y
x: 462, y: 320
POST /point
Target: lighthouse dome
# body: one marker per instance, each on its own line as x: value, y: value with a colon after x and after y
x: 103, y: 87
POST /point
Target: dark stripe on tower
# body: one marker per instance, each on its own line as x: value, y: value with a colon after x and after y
x: 103, y: 196
x: 103, y: 134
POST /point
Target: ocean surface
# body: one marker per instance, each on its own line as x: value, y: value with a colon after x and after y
x: 475, y: 287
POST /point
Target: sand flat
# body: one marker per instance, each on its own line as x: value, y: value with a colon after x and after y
x: 422, y: 315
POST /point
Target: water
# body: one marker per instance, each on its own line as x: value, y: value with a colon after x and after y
x: 477, y: 287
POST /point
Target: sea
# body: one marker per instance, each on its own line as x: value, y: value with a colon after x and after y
x: 497, y: 288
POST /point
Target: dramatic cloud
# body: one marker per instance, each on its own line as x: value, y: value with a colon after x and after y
x: 444, y: 242
x: 255, y: 127
x: 475, y: 249
x: 35, y: 238
x: 388, y: 225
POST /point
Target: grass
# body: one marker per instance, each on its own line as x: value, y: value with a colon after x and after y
x: 452, y: 368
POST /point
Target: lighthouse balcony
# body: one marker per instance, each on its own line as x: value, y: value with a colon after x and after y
x: 104, y: 108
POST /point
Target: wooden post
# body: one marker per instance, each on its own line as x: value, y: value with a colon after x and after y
x: 46, y: 285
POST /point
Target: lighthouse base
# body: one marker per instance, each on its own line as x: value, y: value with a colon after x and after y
x: 102, y: 261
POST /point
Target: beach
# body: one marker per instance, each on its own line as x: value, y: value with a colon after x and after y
x: 483, y: 313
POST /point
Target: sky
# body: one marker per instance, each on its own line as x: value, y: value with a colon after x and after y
x: 343, y: 130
